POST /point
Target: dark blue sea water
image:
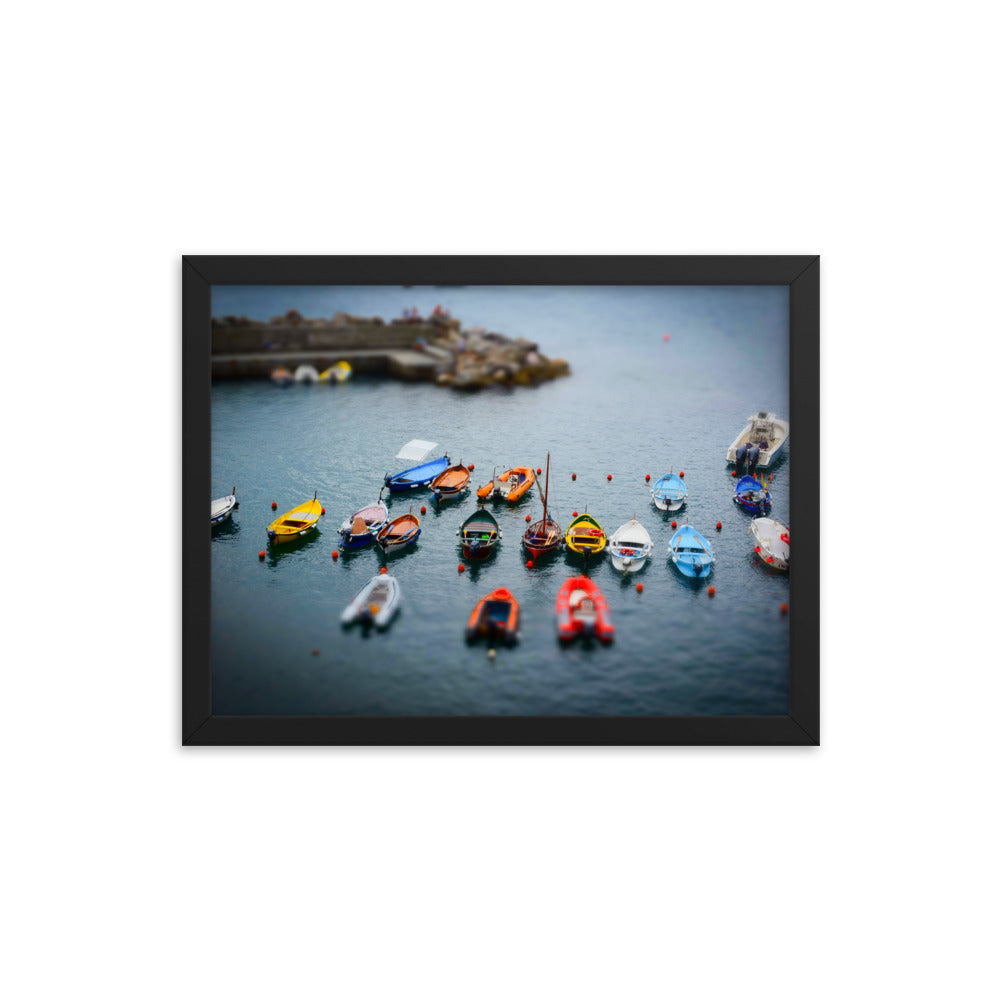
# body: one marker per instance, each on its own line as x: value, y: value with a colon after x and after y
x: 636, y: 403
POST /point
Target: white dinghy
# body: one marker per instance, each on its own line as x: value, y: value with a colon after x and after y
x: 771, y: 542
x: 375, y: 604
x: 630, y: 546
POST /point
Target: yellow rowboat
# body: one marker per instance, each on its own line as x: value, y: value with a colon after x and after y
x: 299, y: 521
x: 585, y: 536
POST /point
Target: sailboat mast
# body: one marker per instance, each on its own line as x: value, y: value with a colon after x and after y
x: 545, y: 495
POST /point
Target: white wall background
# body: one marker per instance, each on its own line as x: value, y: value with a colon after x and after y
x: 861, y: 131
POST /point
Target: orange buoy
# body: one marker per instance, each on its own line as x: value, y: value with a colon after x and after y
x: 711, y: 591
x: 472, y: 468
x: 322, y: 511
x: 575, y: 514
x: 718, y: 526
x: 383, y: 570
x: 527, y: 517
x: 260, y: 555
x: 538, y: 472
x: 609, y: 477
x: 673, y: 524
x: 574, y: 477
x: 666, y: 336
x: 423, y: 510
x: 274, y: 505
x: 784, y: 609
x: 647, y: 477
x: 682, y: 473
x: 638, y: 588
x: 756, y: 548
x: 461, y: 568
x: 315, y: 652
x: 336, y: 556
x: 530, y: 563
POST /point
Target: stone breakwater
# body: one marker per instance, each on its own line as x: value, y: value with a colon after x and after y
x: 433, y: 349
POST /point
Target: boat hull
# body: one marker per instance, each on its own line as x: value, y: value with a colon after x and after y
x: 375, y: 604
x: 417, y: 477
x: 691, y: 553
x: 495, y: 617
x: 295, y: 524
x: 581, y: 610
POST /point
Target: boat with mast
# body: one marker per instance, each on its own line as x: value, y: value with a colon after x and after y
x: 543, y: 536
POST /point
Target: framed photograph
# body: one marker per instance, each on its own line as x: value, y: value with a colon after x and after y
x: 500, y: 500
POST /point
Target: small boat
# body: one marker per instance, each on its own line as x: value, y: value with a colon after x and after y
x: 418, y: 475
x: 480, y: 534
x: 585, y: 536
x: 375, y: 604
x: 521, y: 479
x: 491, y: 489
x: 340, y: 372
x: 223, y: 507
x: 398, y: 533
x: 450, y: 483
x: 752, y: 495
x: 691, y: 553
x: 306, y: 374
x: 362, y: 526
x: 282, y: 376
x: 630, y: 546
x: 760, y: 443
x: 494, y: 617
x: 299, y: 521
x: 669, y: 492
x: 582, y: 610
x: 771, y: 542
x: 543, y: 536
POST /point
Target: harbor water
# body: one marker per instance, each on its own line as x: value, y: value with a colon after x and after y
x: 662, y: 378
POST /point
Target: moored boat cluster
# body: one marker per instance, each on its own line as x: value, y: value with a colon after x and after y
x: 581, y: 608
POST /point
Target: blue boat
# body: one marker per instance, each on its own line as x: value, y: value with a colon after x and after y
x: 752, y: 495
x: 419, y: 475
x: 669, y: 492
x: 691, y: 553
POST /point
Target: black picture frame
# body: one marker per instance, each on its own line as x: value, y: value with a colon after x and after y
x: 801, y: 727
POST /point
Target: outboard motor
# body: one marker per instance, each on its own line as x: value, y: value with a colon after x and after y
x: 698, y: 567
x: 741, y: 454
x: 752, y: 457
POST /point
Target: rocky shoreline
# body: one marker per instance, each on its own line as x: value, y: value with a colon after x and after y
x: 463, y: 359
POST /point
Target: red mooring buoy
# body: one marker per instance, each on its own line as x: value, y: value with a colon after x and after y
x: 718, y: 526
x: 784, y: 609
x: 530, y: 563
x: 638, y: 588
x: 673, y: 524
x: 527, y: 517
x: 647, y: 477
x: 682, y: 473
x: 609, y: 477
x: 274, y: 505
x: 711, y: 591
x: 574, y: 477
x: 336, y: 556
x: 260, y: 555
x: 383, y: 570
x: 461, y: 568
x: 423, y: 510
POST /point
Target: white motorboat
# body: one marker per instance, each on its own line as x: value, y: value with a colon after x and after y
x: 771, y: 542
x: 306, y: 374
x: 630, y: 546
x: 375, y: 604
x: 759, y: 443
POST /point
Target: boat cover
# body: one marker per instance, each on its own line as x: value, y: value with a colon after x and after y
x: 416, y: 450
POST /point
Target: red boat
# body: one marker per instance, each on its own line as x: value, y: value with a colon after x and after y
x: 582, y: 610
x: 495, y: 617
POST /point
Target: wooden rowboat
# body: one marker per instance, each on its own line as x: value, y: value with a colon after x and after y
x: 362, y: 526
x: 296, y: 523
x: 450, y: 483
x: 585, y: 536
x: 398, y: 533
x: 480, y: 534
x: 545, y: 535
